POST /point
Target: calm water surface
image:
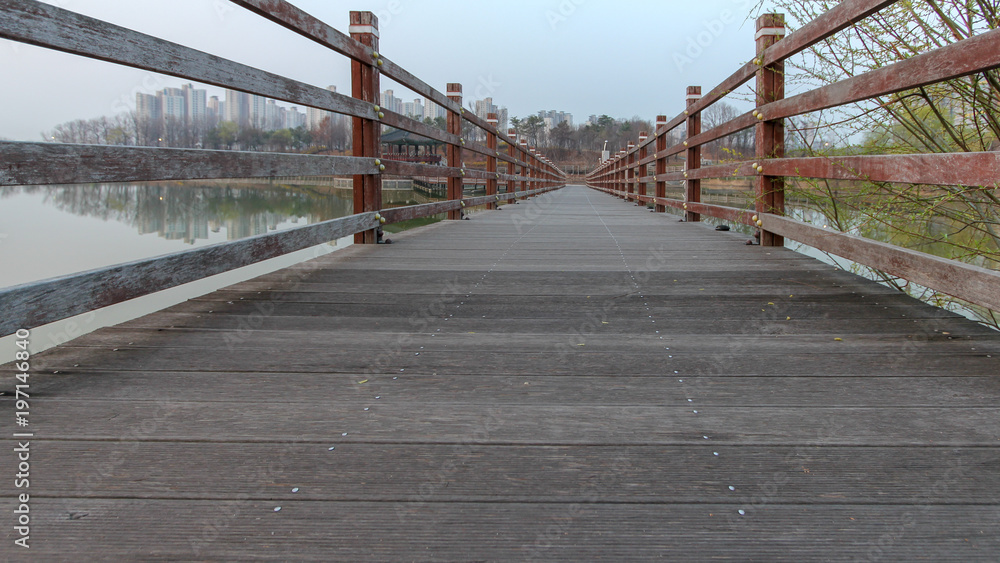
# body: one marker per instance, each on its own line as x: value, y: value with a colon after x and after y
x: 58, y: 230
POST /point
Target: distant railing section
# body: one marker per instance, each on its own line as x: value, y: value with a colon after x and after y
x: 525, y: 171
x: 627, y: 173
x: 434, y: 159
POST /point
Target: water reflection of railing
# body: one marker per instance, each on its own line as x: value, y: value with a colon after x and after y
x: 628, y: 173
x: 521, y: 169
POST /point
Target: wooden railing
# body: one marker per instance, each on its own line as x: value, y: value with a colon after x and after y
x: 526, y: 172
x: 627, y: 174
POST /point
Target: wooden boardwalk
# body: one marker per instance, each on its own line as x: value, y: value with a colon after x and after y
x: 572, y: 378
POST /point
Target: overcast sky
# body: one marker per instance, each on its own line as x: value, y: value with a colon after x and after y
x: 617, y: 57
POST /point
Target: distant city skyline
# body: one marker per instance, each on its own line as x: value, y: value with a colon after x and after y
x: 191, y: 105
x: 188, y: 104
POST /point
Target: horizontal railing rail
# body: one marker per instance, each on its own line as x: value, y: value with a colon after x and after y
x: 520, y: 169
x: 50, y: 163
x: 628, y: 173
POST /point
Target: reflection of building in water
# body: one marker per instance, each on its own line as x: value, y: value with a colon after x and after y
x: 189, y: 229
x: 189, y: 214
x: 182, y: 218
x: 252, y: 225
x: 150, y: 223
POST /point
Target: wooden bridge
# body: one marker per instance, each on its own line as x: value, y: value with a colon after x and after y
x: 571, y: 377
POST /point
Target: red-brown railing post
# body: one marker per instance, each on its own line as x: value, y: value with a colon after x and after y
x: 512, y: 169
x: 543, y: 177
x: 770, y: 133
x: 623, y: 193
x: 643, y: 168
x: 538, y: 172
x: 525, y: 171
x: 661, y: 162
x: 613, y: 175
x: 491, y: 159
x: 693, y: 191
x: 616, y: 175
x: 629, y: 171
x: 533, y: 173
x: 620, y: 174
x: 609, y: 177
x: 366, y: 132
x: 543, y: 171
x: 456, y: 185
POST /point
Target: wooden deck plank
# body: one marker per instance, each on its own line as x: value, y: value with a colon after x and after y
x: 175, y: 436
x: 352, y: 531
x: 555, y: 424
x: 550, y: 474
x: 343, y: 392
x: 570, y: 324
x: 564, y: 358
x: 932, y: 343
x: 726, y: 308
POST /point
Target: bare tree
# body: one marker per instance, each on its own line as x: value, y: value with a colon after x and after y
x: 960, y: 115
x: 738, y: 146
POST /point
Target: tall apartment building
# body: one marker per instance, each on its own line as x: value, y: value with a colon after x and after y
x: 172, y: 103
x: 414, y: 109
x: 237, y: 108
x: 417, y: 109
x: 433, y: 110
x: 486, y: 106
x: 292, y: 118
x: 195, y: 102
x: 272, y: 116
x: 315, y: 117
x: 277, y: 117
x: 214, y: 110
x: 147, y: 107
x: 185, y: 104
x: 246, y: 110
x: 390, y: 102
x: 553, y: 118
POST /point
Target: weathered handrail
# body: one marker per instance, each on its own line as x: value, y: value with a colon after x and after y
x: 626, y: 175
x: 527, y: 172
x: 50, y: 163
